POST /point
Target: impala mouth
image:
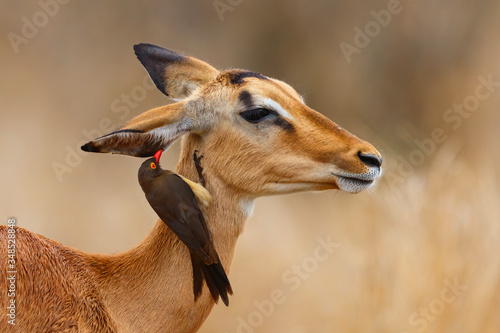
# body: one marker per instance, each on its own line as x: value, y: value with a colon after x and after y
x: 355, y: 183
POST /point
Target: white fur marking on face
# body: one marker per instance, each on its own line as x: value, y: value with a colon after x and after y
x: 170, y: 132
x: 278, y: 108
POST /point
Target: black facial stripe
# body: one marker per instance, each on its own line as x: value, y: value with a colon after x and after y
x: 246, y: 99
x: 284, y: 124
x: 239, y: 76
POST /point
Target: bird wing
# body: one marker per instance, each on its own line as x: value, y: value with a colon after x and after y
x: 176, y: 205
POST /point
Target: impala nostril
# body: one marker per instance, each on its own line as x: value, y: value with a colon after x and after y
x: 370, y: 160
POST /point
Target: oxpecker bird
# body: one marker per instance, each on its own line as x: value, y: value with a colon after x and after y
x: 177, y: 202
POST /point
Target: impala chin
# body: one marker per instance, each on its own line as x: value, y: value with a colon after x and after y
x: 357, y: 182
x: 294, y: 187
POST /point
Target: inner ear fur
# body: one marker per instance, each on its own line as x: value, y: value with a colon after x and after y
x: 174, y: 74
x: 145, y: 134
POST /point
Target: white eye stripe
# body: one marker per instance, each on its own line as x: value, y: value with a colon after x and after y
x: 272, y: 104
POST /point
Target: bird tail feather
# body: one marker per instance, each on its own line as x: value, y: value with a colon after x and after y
x: 215, y: 276
x: 197, y: 276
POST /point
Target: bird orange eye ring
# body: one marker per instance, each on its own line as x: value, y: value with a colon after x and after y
x: 153, y: 165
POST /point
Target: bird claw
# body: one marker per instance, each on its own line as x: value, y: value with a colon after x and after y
x: 197, y: 159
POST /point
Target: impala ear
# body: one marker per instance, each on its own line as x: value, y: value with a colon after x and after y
x: 174, y: 74
x: 145, y: 134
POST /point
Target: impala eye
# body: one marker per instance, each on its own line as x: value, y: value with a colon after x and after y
x: 256, y: 115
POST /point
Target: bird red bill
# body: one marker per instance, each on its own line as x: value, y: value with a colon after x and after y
x: 158, y: 155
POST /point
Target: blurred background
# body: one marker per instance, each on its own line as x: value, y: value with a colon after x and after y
x: 419, y: 80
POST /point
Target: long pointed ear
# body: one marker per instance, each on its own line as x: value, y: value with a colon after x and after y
x: 174, y: 74
x: 145, y: 134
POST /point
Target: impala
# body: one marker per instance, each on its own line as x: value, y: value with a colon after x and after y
x: 258, y: 138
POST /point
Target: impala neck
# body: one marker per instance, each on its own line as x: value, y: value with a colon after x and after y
x: 227, y: 213
x: 157, y: 274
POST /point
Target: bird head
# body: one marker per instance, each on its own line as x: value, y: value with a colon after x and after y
x: 150, y: 168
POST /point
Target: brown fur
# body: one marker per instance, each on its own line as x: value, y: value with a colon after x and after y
x: 54, y: 290
x: 149, y: 288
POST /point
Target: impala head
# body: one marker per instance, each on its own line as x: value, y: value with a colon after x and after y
x: 256, y: 133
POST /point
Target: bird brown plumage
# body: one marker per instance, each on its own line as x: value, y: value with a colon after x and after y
x: 175, y: 202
